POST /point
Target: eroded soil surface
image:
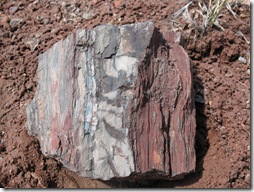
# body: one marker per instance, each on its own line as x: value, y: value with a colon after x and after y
x: 221, y: 80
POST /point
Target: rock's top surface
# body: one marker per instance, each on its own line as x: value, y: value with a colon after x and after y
x: 114, y: 101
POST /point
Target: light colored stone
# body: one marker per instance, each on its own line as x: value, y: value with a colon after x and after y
x: 16, y: 23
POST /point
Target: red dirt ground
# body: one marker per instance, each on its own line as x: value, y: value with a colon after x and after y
x: 220, y: 80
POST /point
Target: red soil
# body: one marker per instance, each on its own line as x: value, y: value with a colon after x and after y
x: 220, y: 80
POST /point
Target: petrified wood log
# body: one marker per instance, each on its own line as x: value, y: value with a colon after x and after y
x: 116, y: 101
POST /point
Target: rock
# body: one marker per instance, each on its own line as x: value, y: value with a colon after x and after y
x: 46, y: 21
x: 88, y: 15
x: 116, y: 102
x: 16, y: 23
x: 247, y: 178
x: 118, y: 3
x: 242, y: 59
x: 32, y: 43
x: 36, y: 2
x: 4, y: 19
x: 13, y: 9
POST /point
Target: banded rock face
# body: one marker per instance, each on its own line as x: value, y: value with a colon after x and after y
x: 116, y: 101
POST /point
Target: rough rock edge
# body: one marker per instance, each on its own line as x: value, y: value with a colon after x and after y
x: 152, y: 50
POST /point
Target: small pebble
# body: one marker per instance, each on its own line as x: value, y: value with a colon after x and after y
x: 242, y: 16
x: 36, y: 2
x: 16, y: 23
x: 33, y: 43
x: 247, y: 178
x: 45, y: 21
x: 13, y: 9
x: 229, y: 75
x: 4, y: 19
x: 87, y: 15
x: 117, y: 3
x: 37, y: 36
x: 242, y: 59
x: 63, y: 4
x: 241, y: 9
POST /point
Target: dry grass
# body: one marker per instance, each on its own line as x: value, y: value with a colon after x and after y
x: 202, y: 15
x: 213, y: 11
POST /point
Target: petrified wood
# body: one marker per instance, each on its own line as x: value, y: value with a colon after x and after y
x: 116, y: 101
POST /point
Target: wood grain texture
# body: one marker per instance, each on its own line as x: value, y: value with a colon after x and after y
x: 116, y: 102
